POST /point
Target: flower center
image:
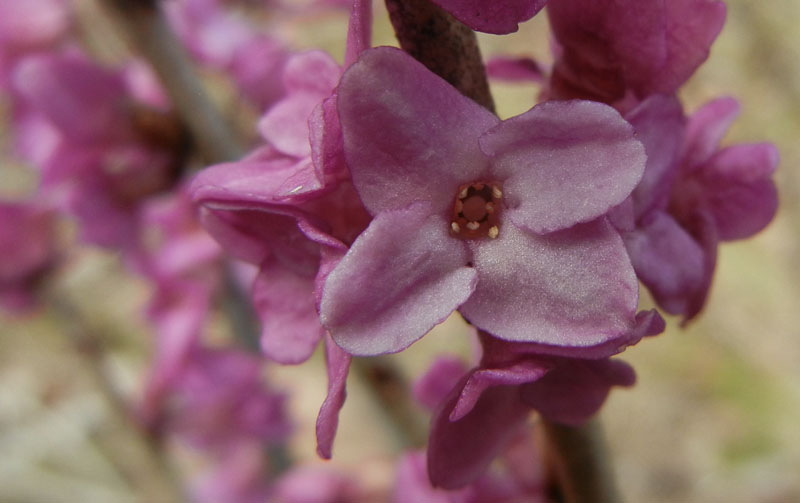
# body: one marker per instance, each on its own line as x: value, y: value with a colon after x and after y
x: 476, y: 211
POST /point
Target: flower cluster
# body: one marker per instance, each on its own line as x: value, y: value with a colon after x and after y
x: 536, y: 229
x: 378, y: 200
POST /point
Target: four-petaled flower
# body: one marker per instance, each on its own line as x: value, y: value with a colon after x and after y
x: 430, y: 165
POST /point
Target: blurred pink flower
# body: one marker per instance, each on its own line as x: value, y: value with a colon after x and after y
x: 693, y: 196
x: 28, y: 248
x: 29, y: 26
x: 108, y: 150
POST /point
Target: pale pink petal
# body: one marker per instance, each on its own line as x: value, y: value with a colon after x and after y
x: 402, y: 276
x: 564, y: 162
x: 408, y: 135
x: 570, y: 288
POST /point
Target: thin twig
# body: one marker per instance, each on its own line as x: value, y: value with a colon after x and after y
x: 391, y: 390
x: 148, y: 30
x: 443, y: 44
x: 579, y: 459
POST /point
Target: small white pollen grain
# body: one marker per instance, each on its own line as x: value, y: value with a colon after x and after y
x: 456, y: 228
x: 496, y: 192
x: 473, y: 226
x: 463, y: 193
x: 296, y: 189
x: 493, y: 231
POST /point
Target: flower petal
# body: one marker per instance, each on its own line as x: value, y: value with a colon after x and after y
x: 668, y: 261
x: 402, y: 276
x: 564, y: 163
x: 575, y: 389
x: 573, y: 288
x: 706, y: 128
x: 661, y: 127
x: 284, y: 301
x: 498, y: 16
x: 408, y: 135
x: 516, y: 374
x: 459, y: 451
x: 338, y: 363
x: 739, y: 189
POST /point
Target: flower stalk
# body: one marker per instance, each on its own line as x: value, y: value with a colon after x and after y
x: 443, y: 44
x: 149, y: 32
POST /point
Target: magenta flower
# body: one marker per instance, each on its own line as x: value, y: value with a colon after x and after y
x: 219, y: 398
x: 29, y: 249
x: 485, y: 410
x: 496, y: 16
x: 501, y: 220
x: 619, y: 50
x: 220, y: 39
x: 412, y: 485
x: 29, y: 26
x: 693, y: 196
x: 111, y: 150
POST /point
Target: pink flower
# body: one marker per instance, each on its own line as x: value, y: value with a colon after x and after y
x: 497, y: 16
x: 486, y: 408
x: 290, y: 209
x: 501, y: 220
x: 621, y: 50
x: 220, y: 398
x: 109, y: 149
x: 225, y: 41
x: 29, y: 26
x: 29, y: 249
x: 693, y: 196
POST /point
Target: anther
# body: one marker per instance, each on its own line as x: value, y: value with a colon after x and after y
x: 477, y: 210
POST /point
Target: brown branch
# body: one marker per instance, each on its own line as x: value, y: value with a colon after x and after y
x: 151, y: 36
x: 579, y: 458
x: 391, y: 390
x: 443, y: 44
